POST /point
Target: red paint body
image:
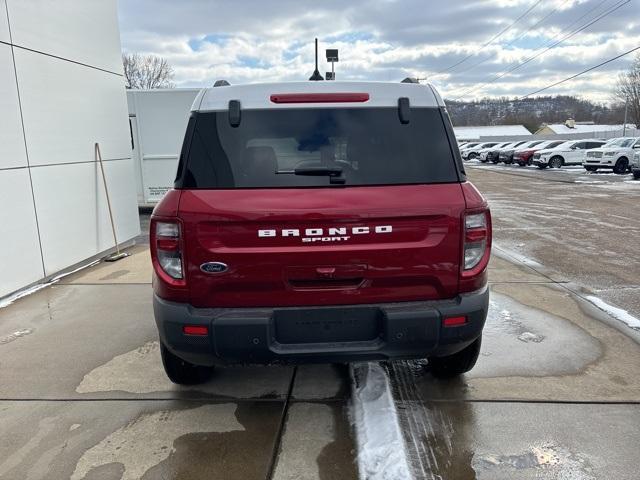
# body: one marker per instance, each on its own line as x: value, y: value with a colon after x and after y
x: 420, y: 259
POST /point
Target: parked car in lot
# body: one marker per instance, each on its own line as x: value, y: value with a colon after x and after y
x: 494, y: 154
x: 567, y: 153
x: 523, y: 156
x: 507, y: 155
x: 635, y: 165
x: 464, y: 145
x: 483, y: 154
x: 470, y: 153
x: 615, y: 154
x: 290, y: 236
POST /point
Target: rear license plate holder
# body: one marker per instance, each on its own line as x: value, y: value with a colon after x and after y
x: 327, y: 325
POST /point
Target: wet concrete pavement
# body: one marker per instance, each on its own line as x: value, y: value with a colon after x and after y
x: 555, y: 394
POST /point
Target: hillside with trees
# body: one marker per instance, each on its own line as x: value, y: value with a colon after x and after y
x: 532, y: 112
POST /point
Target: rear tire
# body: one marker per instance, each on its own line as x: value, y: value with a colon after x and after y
x: 621, y: 166
x: 472, y: 155
x: 456, y: 364
x: 636, y: 174
x: 182, y: 372
x: 556, y: 162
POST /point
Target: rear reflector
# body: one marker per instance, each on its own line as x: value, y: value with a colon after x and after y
x: 195, y: 330
x: 454, y: 321
x: 319, y: 97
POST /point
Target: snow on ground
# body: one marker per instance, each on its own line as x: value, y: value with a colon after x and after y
x: 615, y: 312
x: 6, y: 301
x: 381, y: 447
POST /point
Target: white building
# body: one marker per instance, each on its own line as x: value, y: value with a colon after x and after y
x: 571, y: 129
x: 475, y: 133
x: 61, y: 91
x: 158, y: 123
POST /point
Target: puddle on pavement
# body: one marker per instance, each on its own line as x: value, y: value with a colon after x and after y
x: 149, y: 439
x: 337, y: 460
x: 523, y: 341
x: 223, y: 455
x: 140, y: 371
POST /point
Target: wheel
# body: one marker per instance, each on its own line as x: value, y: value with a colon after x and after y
x: 509, y: 161
x: 556, y: 162
x: 456, y: 364
x: 182, y: 372
x: 472, y: 155
x: 495, y: 161
x: 522, y: 163
x: 636, y: 174
x: 621, y: 166
x: 590, y: 168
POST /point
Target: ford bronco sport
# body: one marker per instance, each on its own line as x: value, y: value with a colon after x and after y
x: 319, y: 222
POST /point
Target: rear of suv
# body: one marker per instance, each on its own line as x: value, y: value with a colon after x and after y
x: 319, y: 222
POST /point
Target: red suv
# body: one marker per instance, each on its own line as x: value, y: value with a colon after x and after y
x: 319, y: 222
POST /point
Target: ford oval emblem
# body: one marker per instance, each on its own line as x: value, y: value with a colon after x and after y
x: 214, y: 267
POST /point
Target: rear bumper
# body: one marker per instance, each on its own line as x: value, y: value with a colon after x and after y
x: 268, y: 335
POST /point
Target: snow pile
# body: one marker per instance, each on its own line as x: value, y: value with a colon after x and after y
x: 6, y: 301
x: 381, y: 449
x: 615, y: 312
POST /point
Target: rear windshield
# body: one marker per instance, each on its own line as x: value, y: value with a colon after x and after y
x: 292, y: 148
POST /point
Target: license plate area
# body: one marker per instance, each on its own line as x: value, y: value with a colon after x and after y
x: 327, y: 325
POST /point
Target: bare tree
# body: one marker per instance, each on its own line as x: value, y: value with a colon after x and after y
x: 146, y: 71
x: 628, y: 90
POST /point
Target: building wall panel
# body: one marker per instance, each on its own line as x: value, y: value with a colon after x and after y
x: 12, y: 152
x: 73, y: 214
x: 20, y: 253
x: 84, y: 31
x: 68, y: 107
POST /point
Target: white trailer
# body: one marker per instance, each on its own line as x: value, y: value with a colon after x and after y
x: 157, y: 120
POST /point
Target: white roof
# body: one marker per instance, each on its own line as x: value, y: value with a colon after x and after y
x: 490, y: 131
x: 257, y: 95
x: 580, y: 128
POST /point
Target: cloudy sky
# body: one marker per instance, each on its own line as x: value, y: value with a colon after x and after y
x: 447, y: 42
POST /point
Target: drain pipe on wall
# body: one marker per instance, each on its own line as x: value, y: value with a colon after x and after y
x: 118, y: 254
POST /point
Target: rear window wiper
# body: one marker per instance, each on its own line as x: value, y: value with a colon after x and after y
x: 319, y: 171
x: 334, y: 173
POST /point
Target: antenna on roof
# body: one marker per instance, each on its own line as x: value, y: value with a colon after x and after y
x: 316, y: 73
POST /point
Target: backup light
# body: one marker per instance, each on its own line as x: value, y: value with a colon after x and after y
x: 475, y: 240
x: 168, y: 249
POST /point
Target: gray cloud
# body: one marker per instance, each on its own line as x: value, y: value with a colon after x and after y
x: 248, y: 41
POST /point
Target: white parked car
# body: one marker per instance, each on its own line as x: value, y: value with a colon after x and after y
x: 567, y: 153
x: 635, y: 165
x: 616, y: 154
x: 469, y: 153
x: 482, y: 154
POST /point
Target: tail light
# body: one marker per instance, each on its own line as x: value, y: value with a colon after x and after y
x: 168, y: 248
x: 476, y: 249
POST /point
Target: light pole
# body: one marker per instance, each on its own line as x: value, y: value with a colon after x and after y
x: 624, y: 125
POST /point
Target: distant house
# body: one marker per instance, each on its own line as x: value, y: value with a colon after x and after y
x: 475, y: 133
x: 582, y: 128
